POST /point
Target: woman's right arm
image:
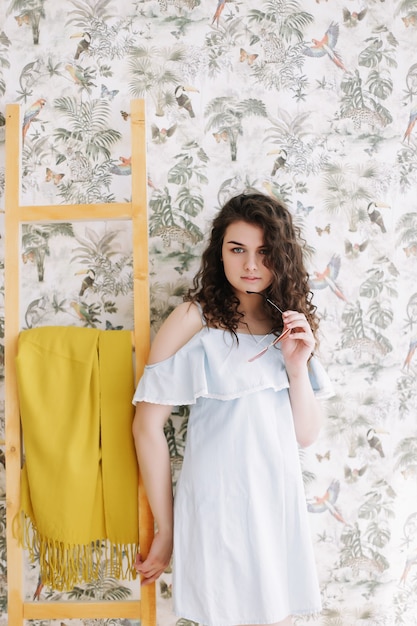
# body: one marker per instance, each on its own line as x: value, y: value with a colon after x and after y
x: 155, y: 467
x: 151, y: 445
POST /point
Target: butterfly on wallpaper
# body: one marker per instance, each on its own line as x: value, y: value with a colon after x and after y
x: 246, y: 56
x: 223, y: 136
x: 109, y: 326
x: 28, y: 257
x: 125, y: 115
x: 106, y: 93
x: 410, y: 20
x: 320, y: 231
x: 323, y: 457
x: 56, y: 177
x: 22, y: 19
x: 303, y: 209
x: 411, y: 250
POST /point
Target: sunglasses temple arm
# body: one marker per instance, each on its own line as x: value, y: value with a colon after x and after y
x: 258, y: 293
x: 274, y: 305
x: 265, y: 350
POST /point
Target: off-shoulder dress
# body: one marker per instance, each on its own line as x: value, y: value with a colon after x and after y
x: 242, y: 545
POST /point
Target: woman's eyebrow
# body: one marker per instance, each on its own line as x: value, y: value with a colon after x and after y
x: 237, y: 243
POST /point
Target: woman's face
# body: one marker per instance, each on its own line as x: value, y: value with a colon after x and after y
x: 243, y: 255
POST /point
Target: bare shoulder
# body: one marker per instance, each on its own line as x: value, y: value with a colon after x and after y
x: 177, y: 330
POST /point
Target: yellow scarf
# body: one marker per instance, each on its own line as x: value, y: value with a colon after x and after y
x: 79, y: 482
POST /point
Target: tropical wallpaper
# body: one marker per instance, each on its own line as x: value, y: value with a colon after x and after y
x: 311, y: 101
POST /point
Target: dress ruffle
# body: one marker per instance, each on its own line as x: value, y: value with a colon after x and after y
x: 185, y: 377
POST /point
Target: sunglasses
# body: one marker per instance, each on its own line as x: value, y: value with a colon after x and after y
x: 277, y: 339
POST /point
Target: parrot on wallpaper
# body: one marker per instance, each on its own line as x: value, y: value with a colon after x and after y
x: 326, y: 46
x: 353, y: 474
x: 124, y: 168
x: 83, y: 45
x: 88, y: 281
x: 79, y: 76
x: 183, y: 100
x: 351, y: 18
x: 280, y: 160
x: 150, y: 183
x: 328, y: 277
x: 32, y: 112
x: 375, y: 216
x: 272, y: 190
x: 327, y: 502
x: 410, y: 561
x: 411, y: 351
x: 82, y: 312
x: 160, y: 135
x: 38, y: 590
x: 411, y: 123
x: 374, y: 442
x: 352, y: 250
x: 219, y: 10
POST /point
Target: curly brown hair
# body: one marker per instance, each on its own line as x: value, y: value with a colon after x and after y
x: 289, y: 287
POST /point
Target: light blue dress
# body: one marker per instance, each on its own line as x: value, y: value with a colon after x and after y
x: 242, y: 544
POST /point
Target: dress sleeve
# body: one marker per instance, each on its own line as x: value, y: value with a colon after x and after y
x: 319, y: 379
x: 176, y: 381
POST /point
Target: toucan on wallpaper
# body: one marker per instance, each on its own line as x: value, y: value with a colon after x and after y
x: 313, y: 102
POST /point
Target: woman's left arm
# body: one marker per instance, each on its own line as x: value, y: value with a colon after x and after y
x: 297, y: 348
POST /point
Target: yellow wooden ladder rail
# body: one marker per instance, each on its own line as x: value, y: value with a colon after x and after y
x: 15, y: 214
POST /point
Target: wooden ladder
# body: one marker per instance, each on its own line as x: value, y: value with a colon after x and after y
x: 19, y: 610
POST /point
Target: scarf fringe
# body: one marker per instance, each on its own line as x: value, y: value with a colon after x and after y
x: 63, y: 566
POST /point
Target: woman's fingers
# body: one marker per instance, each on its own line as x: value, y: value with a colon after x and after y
x: 148, y: 570
x: 298, y: 346
x: 300, y: 328
x: 157, y: 560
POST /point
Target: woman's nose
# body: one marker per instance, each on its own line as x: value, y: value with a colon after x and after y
x: 251, y: 262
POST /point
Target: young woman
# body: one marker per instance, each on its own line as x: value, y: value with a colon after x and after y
x: 242, y: 549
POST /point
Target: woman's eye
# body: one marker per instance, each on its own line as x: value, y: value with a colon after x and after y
x: 237, y: 250
x: 264, y: 251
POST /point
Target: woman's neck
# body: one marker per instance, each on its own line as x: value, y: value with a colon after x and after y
x: 255, y: 321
